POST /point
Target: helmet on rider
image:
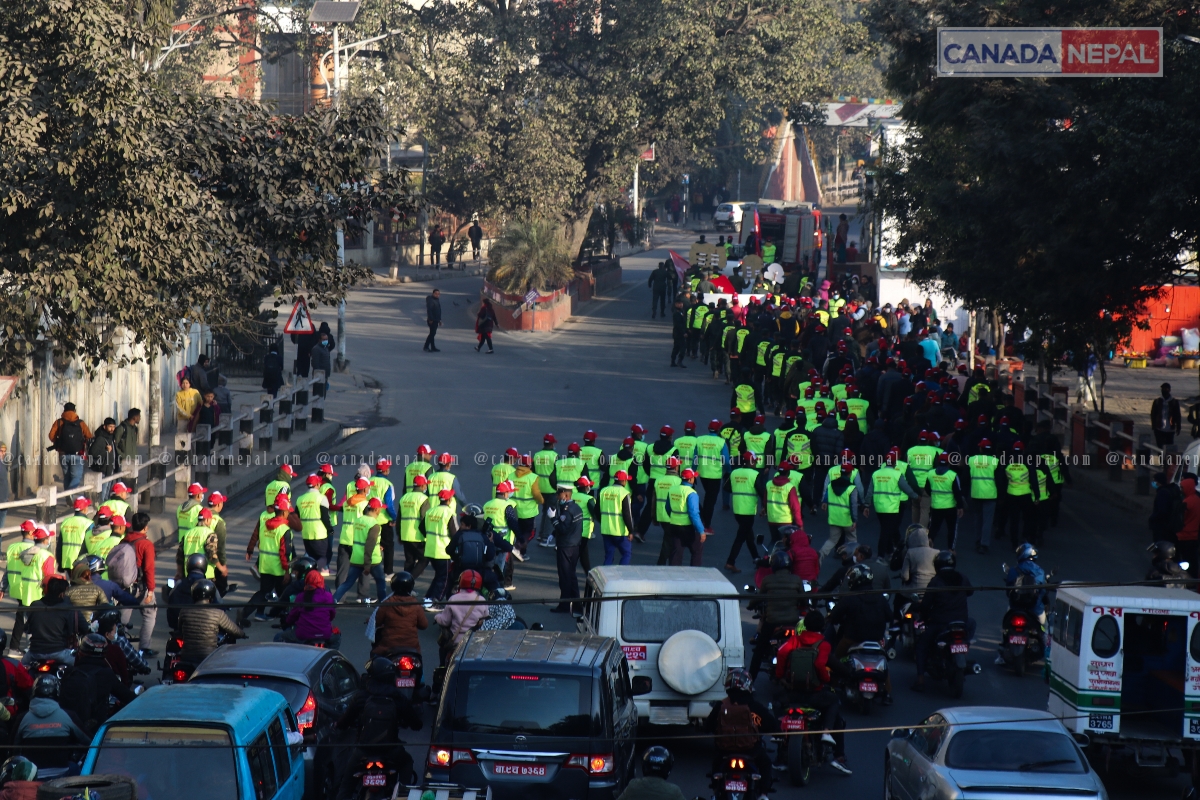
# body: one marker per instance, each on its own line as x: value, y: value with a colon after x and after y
x: 47, y: 686
x: 93, y: 645
x: 945, y: 559
x: 1162, y: 551
x: 302, y: 566
x: 196, y: 562
x: 402, y: 584
x: 738, y: 679
x: 859, y: 577
x: 781, y: 561
x: 472, y: 511
x: 381, y: 669
x: 204, y: 591
x: 657, y: 762
x: 470, y: 580
x: 1026, y: 552
x: 19, y: 768
x: 95, y: 564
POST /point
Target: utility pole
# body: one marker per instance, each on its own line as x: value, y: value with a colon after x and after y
x: 636, y: 167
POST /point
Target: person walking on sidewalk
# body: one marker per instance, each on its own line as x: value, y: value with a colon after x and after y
x: 485, y: 323
x: 69, y: 436
x: 433, y: 317
x: 1165, y: 418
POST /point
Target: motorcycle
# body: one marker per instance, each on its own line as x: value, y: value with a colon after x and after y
x: 901, y: 634
x: 734, y: 777
x: 1022, y: 639
x: 376, y: 779
x: 949, y: 662
x: 802, y: 751
x: 410, y: 674
x: 174, y: 668
x: 47, y: 666
x: 865, y: 676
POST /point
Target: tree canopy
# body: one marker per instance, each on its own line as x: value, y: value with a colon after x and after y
x: 1062, y: 203
x: 129, y: 209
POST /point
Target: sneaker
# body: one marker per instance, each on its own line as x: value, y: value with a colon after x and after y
x: 325, y: 573
x: 549, y: 541
x: 827, y: 738
x: 510, y: 587
x: 260, y: 617
x: 436, y: 608
x: 518, y: 555
x: 841, y: 766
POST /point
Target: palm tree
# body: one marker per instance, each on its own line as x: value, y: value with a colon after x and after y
x: 530, y: 254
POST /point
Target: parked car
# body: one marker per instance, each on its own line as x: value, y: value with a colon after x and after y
x: 728, y: 216
x: 988, y: 751
x: 318, y: 684
x: 536, y: 714
x: 203, y: 743
x: 683, y: 645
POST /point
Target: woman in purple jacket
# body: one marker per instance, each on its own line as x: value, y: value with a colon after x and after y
x: 310, y: 619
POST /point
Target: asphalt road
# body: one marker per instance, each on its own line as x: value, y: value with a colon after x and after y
x: 605, y: 371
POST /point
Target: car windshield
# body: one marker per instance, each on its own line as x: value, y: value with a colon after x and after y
x: 511, y: 703
x: 152, y: 756
x: 659, y: 620
x: 1014, y: 751
x: 725, y: 207
x: 293, y: 692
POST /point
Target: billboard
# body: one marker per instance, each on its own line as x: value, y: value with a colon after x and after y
x: 1050, y: 52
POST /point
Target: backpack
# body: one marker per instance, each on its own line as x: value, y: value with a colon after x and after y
x: 122, y: 565
x: 380, y: 722
x: 802, y: 668
x: 735, y: 727
x: 69, y: 439
x: 472, y: 550
x: 80, y: 694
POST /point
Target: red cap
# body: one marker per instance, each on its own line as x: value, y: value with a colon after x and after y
x: 527, y: 460
x: 892, y: 457
x: 40, y: 535
x: 445, y: 494
x: 673, y: 461
x: 789, y: 414
x: 118, y: 521
x: 573, y: 449
x: 82, y: 503
x: 786, y: 466
x: 636, y: 429
x: 589, y: 435
x: 960, y: 425
x: 549, y: 439
x: 424, y: 450
x: 374, y: 502
x: 749, y: 457
x: 759, y: 419
x: 627, y: 441
x: 505, y: 486
x: 327, y: 469
x: 383, y: 464
x: 205, y: 513
x: 1018, y: 446
x: 446, y: 460
x: 217, y: 497
x: 282, y: 503
x: 689, y: 427
x: 621, y: 475
x: 420, y: 480
x: 104, y: 511
x: 196, y: 488
x: 688, y: 475
x: 120, y: 486
x: 666, y: 430
x: 985, y: 443
x: 361, y: 484
x: 286, y: 469
x: 313, y: 480
x: 943, y: 459
x: 584, y: 482
x: 28, y: 526
x: 512, y: 452
x: 714, y: 425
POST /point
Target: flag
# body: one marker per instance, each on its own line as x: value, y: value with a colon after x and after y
x: 681, y: 265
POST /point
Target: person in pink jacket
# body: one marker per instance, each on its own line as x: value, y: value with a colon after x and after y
x: 465, y: 610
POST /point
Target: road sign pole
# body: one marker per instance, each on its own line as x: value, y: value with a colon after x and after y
x: 341, y: 322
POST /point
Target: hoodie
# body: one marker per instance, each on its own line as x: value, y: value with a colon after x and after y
x: 804, y: 639
x: 918, y: 570
x: 806, y: 562
x: 47, y: 718
x: 462, y: 619
x: 1191, y: 511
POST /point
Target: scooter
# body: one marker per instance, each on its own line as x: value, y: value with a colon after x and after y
x: 47, y: 666
x: 409, y: 674
x: 735, y: 777
x: 949, y: 661
x: 802, y: 751
x: 1022, y: 640
x: 901, y: 634
x: 376, y: 779
x: 866, y: 675
x: 174, y: 668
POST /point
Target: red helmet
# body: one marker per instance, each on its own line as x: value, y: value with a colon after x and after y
x: 446, y: 460
x: 573, y: 449
x: 688, y: 475
x: 714, y: 426
x: 512, y: 452
x: 424, y: 450
x: 549, y: 439
x: 666, y: 430
x: 689, y: 427
x: 589, y: 436
x: 471, y: 581
x: 313, y: 480
x: 636, y: 429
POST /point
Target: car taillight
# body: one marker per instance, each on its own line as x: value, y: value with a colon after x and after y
x: 307, y: 717
x: 461, y: 755
x: 594, y: 764
x: 1019, y: 621
x: 438, y: 757
x: 405, y: 663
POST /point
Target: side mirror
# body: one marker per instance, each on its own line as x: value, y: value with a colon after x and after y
x: 581, y: 625
x: 537, y: 626
x: 901, y: 733
x: 1082, y: 739
x: 641, y: 684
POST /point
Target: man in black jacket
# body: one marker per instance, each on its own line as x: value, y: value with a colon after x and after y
x: 378, y: 714
x: 87, y: 686
x: 54, y: 625
x: 433, y: 318
x: 679, y: 332
x: 658, y: 283
x: 470, y: 548
x: 568, y: 534
x: 1164, y: 417
x: 939, y: 608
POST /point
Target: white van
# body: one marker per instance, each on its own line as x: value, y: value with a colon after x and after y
x: 1125, y: 669
x: 673, y: 631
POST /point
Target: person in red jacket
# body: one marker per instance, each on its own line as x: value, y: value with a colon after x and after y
x: 1187, y: 535
x: 144, y: 549
x: 806, y: 561
x: 808, y: 644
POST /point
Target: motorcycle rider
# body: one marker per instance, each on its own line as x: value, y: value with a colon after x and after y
x: 310, y: 619
x: 399, y: 619
x: 87, y: 686
x: 111, y: 629
x: 1027, y: 577
x: 181, y: 595
x: 470, y: 549
x: 803, y: 665
x: 1164, y: 569
x: 939, y: 609
x: 657, y: 762
x: 782, y: 600
x: 917, y: 570
x: 459, y: 618
x: 46, y: 718
x: 54, y: 626
x: 200, y: 624
x: 378, y: 713
x: 18, y: 779
x: 738, y: 723
x: 861, y: 618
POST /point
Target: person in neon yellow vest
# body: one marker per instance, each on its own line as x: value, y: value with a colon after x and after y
x: 616, y: 520
x: 946, y: 503
x: 841, y: 500
x: 273, y: 539
x: 886, y: 490
x: 683, y: 508
x: 367, y: 554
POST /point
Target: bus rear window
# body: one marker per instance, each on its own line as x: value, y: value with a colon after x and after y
x: 152, y: 756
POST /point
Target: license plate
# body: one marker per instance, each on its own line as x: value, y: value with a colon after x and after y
x: 959, y: 648
x: 520, y: 770
x: 374, y: 779
x: 868, y: 686
x: 1101, y: 722
x: 1021, y: 640
x: 792, y: 723
x: 406, y: 683
x: 634, y: 652
x: 736, y: 786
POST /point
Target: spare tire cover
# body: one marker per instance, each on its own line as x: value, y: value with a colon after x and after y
x: 690, y: 662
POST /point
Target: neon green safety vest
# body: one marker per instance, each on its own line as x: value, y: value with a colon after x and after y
x: 73, y: 530
x: 501, y: 473
x: 941, y: 489
x: 1043, y: 485
x: 587, y: 504
x: 768, y: 254
x: 662, y: 490
x: 268, y: 549
x: 886, y: 496
x: 777, y: 363
x: 194, y: 543
x: 187, y: 516
x: 756, y: 442
x: 839, y: 507
x: 568, y: 469
x: 412, y: 470
x: 639, y: 458
x: 118, y: 506
x: 1056, y: 473
x: 709, y: 460
x: 543, y: 465
x: 101, y: 544
x: 379, y: 488
x: 685, y: 446
x: 799, y: 445
x: 27, y: 588
x: 780, y: 439
x: 921, y: 458
x: 615, y: 465
x: 527, y: 507
x: 858, y: 407
x: 745, y: 499
x: 1018, y: 479
x: 350, y: 512
x: 761, y: 353
x: 658, y: 463
x: 437, y: 531
x: 745, y: 403
x: 276, y: 488
x: 362, y: 531
x: 983, y: 476
x: 308, y: 506
x: 733, y: 438
x: 699, y: 316
x: 441, y: 481
x: 839, y: 391
x: 677, y: 504
x: 494, y: 510
x: 612, y: 517
x: 591, y: 456
x: 410, y: 516
x: 779, y: 512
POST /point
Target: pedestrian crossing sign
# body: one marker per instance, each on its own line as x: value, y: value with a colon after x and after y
x: 300, y: 320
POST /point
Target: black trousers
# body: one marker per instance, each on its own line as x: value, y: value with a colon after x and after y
x: 485, y: 338
x: 1010, y: 512
x: 387, y: 539
x: 745, y: 535
x: 686, y: 538
x: 658, y: 303
x: 889, y: 533
x: 668, y: 544
x: 414, y: 558
x: 433, y: 326
x: 19, y: 627
x: 693, y: 341
x: 568, y: 580
x: 585, y: 556
x: 266, y: 585
x: 678, y: 348
x: 712, y: 489
x: 936, y: 517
